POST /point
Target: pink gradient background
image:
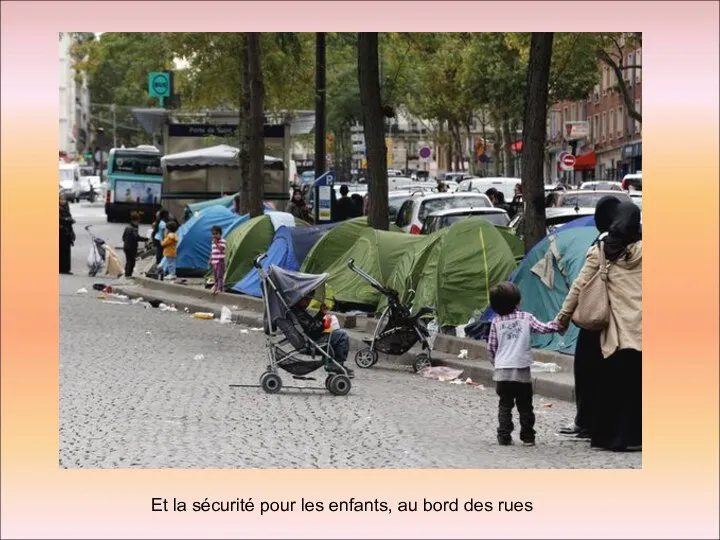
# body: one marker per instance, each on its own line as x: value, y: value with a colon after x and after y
x: 676, y: 493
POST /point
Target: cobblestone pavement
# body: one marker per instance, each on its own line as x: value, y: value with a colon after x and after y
x: 133, y: 394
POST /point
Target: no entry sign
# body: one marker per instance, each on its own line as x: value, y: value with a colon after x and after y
x: 567, y: 162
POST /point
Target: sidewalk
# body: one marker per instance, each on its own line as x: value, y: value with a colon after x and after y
x: 247, y: 310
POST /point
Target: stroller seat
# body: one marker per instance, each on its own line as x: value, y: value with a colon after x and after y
x: 299, y: 342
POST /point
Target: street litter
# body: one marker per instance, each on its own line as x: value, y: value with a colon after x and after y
x: 137, y: 300
x: 82, y: 290
x: 225, y: 315
x: 119, y: 296
x: 243, y: 331
x: 441, y: 373
x: 164, y: 307
x: 101, y: 296
x: 199, y: 357
x: 99, y: 286
x: 256, y: 329
x: 547, y: 405
x: 187, y: 310
x: 116, y: 302
x: 470, y: 381
x: 201, y: 315
x: 148, y: 332
x: 540, y: 367
x: 155, y: 303
x: 463, y: 354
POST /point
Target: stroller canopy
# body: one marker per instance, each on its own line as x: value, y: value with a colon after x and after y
x: 287, y: 288
x: 287, y: 251
x: 249, y: 240
x: 195, y: 237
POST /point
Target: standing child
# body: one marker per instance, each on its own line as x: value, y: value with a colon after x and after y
x: 217, y: 259
x: 131, y: 237
x: 510, y: 353
x: 169, y: 245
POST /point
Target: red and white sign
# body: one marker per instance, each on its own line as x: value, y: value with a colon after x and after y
x: 567, y: 163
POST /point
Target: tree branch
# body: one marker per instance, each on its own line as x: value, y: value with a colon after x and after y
x: 629, y: 105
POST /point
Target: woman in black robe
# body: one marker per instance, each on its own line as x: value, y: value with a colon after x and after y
x: 67, y: 236
x: 587, y: 348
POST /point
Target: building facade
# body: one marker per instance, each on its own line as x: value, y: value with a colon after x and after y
x: 74, y: 105
x: 612, y: 145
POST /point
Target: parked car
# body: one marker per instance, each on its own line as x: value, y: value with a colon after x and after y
x: 455, y: 176
x: 632, y: 182
x: 601, y: 186
x: 586, y: 199
x: 70, y: 181
x: 413, y: 212
x: 444, y: 218
x: 480, y: 185
x: 554, y: 219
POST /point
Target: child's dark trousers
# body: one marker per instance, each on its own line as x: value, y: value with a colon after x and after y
x: 520, y: 395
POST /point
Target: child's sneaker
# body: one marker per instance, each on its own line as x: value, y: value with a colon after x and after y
x: 171, y: 277
x: 528, y: 443
x: 505, y: 441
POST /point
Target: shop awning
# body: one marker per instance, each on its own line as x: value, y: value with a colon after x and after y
x: 586, y: 161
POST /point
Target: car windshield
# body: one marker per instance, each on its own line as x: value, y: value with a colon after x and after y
x: 585, y: 200
x: 496, y: 219
x: 394, y: 204
x: 602, y: 186
x: 435, y: 205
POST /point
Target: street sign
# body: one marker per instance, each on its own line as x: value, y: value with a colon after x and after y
x: 425, y: 152
x: 159, y: 85
x: 567, y: 163
x: 576, y: 130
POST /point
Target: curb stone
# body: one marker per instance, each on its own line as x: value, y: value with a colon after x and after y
x: 558, y: 385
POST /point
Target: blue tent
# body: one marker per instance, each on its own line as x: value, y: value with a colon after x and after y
x: 195, y: 237
x: 287, y: 250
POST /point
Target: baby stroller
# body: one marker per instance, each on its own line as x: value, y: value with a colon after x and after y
x: 282, y: 291
x: 97, y: 255
x: 397, y: 330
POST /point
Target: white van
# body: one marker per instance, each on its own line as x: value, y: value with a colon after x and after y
x: 70, y: 181
x: 506, y: 186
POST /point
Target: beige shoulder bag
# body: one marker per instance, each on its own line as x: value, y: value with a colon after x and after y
x: 593, y: 307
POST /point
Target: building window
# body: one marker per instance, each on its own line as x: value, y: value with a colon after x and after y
x: 596, y: 128
x: 638, y: 71
x: 565, y: 116
x: 604, y: 80
x: 603, y: 126
x: 611, y: 124
x: 620, y: 121
x: 638, y: 125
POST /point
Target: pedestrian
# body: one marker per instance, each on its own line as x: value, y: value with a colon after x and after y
x: 511, y: 355
x: 236, y: 205
x: 217, y: 259
x: 67, y: 237
x: 158, y: 233
x: 359, y: 203
x: 617, y: 414
x: 344, y: 206
x: 297, y: 206
x: 441, y: 188
x: 131, y: 237
x: 169, y: 249
x: 500, y: 202
x: 587, y: 349
x: 517, y: 203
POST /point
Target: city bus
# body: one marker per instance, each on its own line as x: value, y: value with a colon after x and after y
x: 134, y: 183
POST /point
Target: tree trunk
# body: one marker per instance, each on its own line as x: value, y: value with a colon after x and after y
x: 459, y: 153
x: 534, y: 134
x: 244, y: 132
x: 256, y: 124
x: 484, y: 142
x: 370, y: 100
x: 508, y: 141
x: 472, y: 158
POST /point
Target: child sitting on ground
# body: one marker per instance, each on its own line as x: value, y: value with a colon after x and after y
x: 217, y: 259
x: 510, y: 352
x: 169, y: 245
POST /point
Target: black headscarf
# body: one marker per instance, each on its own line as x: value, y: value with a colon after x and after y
x: 301, y: 202
x: 624, y: 230
x: 605, y: 211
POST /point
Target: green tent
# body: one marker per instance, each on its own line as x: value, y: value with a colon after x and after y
x: 457, y: 269
x: 517, y: 246
x: 246, y: 242
x: 334, y: 243
x: 376, y: 252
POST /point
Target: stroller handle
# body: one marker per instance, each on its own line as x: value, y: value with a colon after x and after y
x: 257, y: 261
x: 367, y: 277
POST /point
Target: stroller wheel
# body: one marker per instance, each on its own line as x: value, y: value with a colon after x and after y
x: 421, y: 362
x: 339, y: 385
x: 271, y: 383
x: 328, y: 381
x: 366, y: 358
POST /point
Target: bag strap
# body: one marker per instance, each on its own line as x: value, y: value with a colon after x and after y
x: 604, y: 265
